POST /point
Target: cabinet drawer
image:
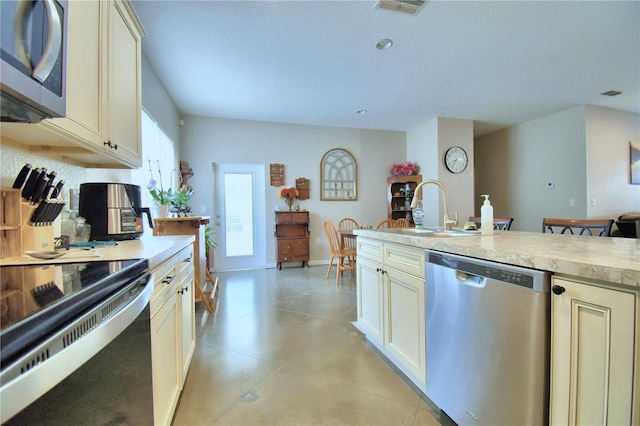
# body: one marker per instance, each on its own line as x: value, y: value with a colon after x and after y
x: 404, y: 259
x: 166, y: 278
x: 185, y: 261
x: 370, y: 249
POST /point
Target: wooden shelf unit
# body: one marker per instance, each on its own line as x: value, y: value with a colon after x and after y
x: 399, y: 198
x: 291, y: 230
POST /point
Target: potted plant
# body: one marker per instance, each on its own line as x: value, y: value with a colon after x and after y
x: 209, y: 243
x: 180, y: 202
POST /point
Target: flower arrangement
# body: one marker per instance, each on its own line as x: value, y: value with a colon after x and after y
x: 404, y: 169
x: 177, y: 201
x: 180, y: 201
x: 289, y: 195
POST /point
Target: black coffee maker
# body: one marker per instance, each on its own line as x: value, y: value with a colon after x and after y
x: 113, y: 210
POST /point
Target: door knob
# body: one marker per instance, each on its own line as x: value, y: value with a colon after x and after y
x: 557, y: 289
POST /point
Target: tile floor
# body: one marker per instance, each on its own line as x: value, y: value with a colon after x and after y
x: 280, y: 350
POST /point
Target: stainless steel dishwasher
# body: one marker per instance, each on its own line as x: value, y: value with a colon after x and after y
x: 487, y: 340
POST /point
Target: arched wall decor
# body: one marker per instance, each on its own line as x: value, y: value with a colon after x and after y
x: 338, y: 176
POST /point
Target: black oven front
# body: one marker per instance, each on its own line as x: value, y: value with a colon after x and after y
x: 76, y: 344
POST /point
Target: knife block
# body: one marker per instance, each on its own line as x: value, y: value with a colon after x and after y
x: 36, y: 238
x: 10, y: 223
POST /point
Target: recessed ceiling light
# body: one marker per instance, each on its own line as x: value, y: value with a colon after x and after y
x: 361, y: 111
x: 384, y: 44
x: 611, y: 93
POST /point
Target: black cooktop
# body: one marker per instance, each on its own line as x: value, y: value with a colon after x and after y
x: 35, y: 300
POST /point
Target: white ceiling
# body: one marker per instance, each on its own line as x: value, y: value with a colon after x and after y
x: 315, y: 62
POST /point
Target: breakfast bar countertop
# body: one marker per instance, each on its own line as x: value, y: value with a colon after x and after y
x: 155, y: 249
x: 615, y: 260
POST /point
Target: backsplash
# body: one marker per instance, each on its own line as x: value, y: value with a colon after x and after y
x: 13, y: 159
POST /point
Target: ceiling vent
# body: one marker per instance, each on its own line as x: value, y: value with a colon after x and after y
x: 411, y: 7
x: 611, y: 93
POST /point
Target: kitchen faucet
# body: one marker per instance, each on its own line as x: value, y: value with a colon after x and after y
x: 447, y: 223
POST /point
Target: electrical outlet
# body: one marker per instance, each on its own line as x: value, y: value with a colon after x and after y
x: 572, y: 202
x: 317, y: 241
x: 203, y: 209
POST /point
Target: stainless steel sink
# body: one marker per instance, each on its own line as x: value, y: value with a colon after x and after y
x: 438, y: 233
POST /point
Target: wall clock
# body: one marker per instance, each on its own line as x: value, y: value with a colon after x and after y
x: 456, y: 159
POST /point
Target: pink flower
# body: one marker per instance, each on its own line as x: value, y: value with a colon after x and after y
x: 403, y: 169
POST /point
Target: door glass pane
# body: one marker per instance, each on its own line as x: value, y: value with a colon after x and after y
x: 238, y: 211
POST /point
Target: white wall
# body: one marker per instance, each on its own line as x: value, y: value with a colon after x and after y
x: 583, y: 150
x: 609, y: 193
x: 158, y: 103
x: 426, y: 145
x: 300, y: 148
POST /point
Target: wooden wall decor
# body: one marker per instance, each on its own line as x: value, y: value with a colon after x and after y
x: 302, y: 185
x: 277, y: 174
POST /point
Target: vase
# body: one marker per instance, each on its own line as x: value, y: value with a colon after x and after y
x: 161, y: 210
x: 289, y: 202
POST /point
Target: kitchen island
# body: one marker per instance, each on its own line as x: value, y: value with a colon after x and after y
x: 615, y: 260
x: 593, y: 346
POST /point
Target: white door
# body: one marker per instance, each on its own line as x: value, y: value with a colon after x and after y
x: 239, y: 216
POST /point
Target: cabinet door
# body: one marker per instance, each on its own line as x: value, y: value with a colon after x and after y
x: 124, y: 85
x: 369, y: 299
x: 86, y: 75
x: 592, y: 355
x: 405, y: 322
x: 165, y: 353
x: 187, y: 321
x: 300, y: 247
x: 284, y: 249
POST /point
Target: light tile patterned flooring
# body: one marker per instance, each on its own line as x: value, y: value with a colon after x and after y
x: 280, y: 349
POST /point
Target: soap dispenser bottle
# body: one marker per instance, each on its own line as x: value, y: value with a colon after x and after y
x: 486, y: 217
x: 418, y: 214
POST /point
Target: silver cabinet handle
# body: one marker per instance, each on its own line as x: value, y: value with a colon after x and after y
x: 54, y: 42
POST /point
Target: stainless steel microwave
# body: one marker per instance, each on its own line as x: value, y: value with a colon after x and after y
x: 33, y: 41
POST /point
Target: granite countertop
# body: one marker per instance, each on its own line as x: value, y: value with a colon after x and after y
x: 615, y: 260
x: 155, y: 249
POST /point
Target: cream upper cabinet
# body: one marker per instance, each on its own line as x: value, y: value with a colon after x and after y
x: 593, y: 333
x: 125, y: 94
x: 102, y: 127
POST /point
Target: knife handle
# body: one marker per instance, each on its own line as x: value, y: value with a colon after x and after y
x: 57, y: 189
x: 31, y: 182
x: 22, y: 176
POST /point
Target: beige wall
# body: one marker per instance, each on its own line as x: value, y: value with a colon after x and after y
x: 426, y: 145
x: 609, y: 193
x: 300, y: 148
x: 567, y: 148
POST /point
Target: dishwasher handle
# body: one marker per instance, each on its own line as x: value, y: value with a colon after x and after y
x: 470, y: 279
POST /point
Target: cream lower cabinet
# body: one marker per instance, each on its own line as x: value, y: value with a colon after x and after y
x: 391, y: 304
x: 172, y: 332
x: 594, y: 355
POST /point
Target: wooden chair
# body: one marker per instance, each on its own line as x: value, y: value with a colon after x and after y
x: 344, y: 255
x: 393, y: 223
x: 402, y: 223
x: 348, y: 225
x: 578, y: 226
x: 499, y: 223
